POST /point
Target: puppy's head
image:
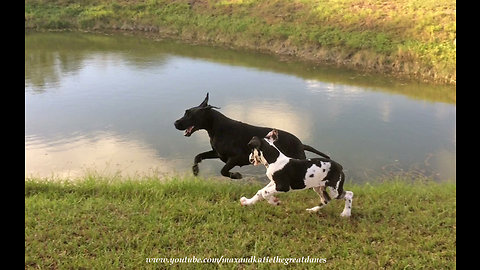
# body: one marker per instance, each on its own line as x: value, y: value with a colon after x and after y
x: 256, y: 155
x: 262, y: 150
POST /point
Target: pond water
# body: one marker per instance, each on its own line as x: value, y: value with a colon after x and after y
x: 106, y: 104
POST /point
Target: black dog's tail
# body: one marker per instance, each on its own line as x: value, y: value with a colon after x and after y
x: 313, y: 150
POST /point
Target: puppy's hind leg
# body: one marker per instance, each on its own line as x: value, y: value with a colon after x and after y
x: 343, y: 194
x: 324, y: 199
x: 347, y: 210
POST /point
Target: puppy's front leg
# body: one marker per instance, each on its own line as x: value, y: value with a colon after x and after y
x: 264, y: 193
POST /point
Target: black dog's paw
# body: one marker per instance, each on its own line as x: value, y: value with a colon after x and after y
x: 235, y: 175
x: 195, y: 169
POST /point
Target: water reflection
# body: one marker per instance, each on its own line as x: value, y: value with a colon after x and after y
x: 108, y: 103
x: 49, y: 56
x: 98, y: 152
x: 72, y: 48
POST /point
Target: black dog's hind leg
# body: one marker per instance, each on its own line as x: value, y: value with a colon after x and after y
x: 231, y: 162
x: 202, y: 156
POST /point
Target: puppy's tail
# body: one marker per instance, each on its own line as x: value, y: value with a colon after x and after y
x: 313, y: 150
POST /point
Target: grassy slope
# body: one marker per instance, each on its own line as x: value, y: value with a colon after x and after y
x: 410, y: 37
x: 106, y: 224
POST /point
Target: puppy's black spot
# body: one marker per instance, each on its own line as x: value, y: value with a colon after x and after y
x: 323, y: 170
x: 311, y: 175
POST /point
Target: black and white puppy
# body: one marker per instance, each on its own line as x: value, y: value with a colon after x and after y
x: 288, y: 173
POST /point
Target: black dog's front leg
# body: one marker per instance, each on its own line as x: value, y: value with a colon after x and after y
x: 231, y: 162
x: 200, y: 157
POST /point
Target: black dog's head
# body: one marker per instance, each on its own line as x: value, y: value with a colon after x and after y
x: 195, y: 118
x: 263, y: 150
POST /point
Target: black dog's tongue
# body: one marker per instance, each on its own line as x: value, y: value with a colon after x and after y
x: 188, y: 131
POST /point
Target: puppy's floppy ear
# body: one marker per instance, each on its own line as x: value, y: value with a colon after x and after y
x: 254, y: 142
x: 204, y: 102
x: 272, y: 135
x: 275, y: 134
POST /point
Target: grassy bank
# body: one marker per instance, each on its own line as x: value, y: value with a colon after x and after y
x: 414, y: 38
x: 102, y: 224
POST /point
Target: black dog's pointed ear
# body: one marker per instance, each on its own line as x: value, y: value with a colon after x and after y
x: 210, y: 107
x: 204, y: 102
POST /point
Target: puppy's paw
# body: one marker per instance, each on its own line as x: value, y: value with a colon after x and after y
x: 243, y: 201
x: 274, y: 201
x: 313, y: 209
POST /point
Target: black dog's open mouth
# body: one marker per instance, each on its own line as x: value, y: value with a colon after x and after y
x: 188, y: 131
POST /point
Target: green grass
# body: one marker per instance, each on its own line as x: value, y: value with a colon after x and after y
x: 103, y: 224
x: 414, y: 38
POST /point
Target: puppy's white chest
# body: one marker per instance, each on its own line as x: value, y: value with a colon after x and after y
x: 274, y: 167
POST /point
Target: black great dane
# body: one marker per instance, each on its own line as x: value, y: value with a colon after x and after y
x: 229, y: 138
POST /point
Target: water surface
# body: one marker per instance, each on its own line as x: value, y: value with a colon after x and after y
x: 107, y: 103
